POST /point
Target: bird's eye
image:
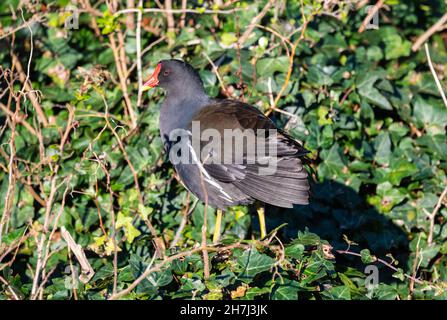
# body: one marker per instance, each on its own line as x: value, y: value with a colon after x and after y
x: 166, y: 72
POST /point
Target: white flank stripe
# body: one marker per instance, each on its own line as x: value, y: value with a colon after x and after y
x: 205, y: 173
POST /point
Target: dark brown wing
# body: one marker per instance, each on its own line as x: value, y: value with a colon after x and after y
x: 284, y: 186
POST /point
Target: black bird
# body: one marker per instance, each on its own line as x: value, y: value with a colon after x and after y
x: 218, y: 176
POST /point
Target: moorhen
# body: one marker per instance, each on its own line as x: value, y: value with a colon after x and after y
x: 189, y: 114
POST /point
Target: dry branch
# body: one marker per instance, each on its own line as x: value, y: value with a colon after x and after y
x: 159, y: 243
x: 122, y: 78
x: 427, y: 34
x: 432, y: 216
x: 290, y: 69
x: 159, y: 266
x: 30, y: 92
x: 254, y: 22
x: 435, y: 76
x: 19, y: 119
x: 87, y: 270
x: 138, y: 44
x: 389, y: 265
x: 175, y: 11
x: 170, y: 20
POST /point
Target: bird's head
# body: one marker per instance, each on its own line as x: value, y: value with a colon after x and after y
x: 174, y: 75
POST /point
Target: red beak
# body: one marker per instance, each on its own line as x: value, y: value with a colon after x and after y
x: 153, y: 80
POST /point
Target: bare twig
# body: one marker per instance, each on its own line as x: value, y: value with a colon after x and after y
x: 19, y: 119
x: 149, y: 47
x: 30, y: 92
x: 254, y: 22
x: 347, y: 252
x: 34, y: 19
x: 183, y: 16
x: 42, y: 254
x: 16, y: 297
x: 435, y: 76
x: 182, y: 225
x: 206, y: 263
x: 122, y: 78
x: 290, y: 69
x: 88, y: 8
x: 159, y: 266
x: 130, y: 22
x: 170, y: 20
x: 160, y: 245
x: 87, y: 270
x: 415, y: 266
x: 9, y: 197
x: 432, y: 216
x: 175, y: 11
x: 216, y: 72
x: 138, y: 43
x: 427, y: 34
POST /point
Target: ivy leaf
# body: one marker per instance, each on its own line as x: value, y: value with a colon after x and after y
x: 338, y: 293
x: 333, y: 164
x: 268, y: 66
x: 367, y: 257
x: 365, y: 87
x: 383, y: 148
x: 129, y: 230
x: 252, y: 262
x: 13, y: 236
x: 286, y: 291
x: 400, y: 169
x: 436, y: 145
x: 395, y: 46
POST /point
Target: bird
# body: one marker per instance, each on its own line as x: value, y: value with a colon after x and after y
x: 210, y: 168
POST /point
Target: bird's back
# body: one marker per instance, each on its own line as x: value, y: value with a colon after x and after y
x: 243, y: 179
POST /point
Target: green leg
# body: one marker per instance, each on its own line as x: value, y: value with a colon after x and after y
x: 217, y: 225
x: 261, y: 217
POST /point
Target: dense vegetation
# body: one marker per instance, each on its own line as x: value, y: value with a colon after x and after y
x: 80, y: 152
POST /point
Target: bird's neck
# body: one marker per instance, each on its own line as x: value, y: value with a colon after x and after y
x: 177, y: 111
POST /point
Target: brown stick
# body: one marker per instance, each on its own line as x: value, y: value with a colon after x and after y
x: 122, y: 79
x: 382, y: 262
x: 427, y: 34
x: 435, y: 76
x: 88, y: 7
x: 87, y: 270
x: 160, y: 265
x: 32, y: 95
x: 254, y: 22
x: 183, y: 16
x: 10, y: 288
x: 42, y: 255
x: 130, y: 22
x: 414, y: 267
x: 173, y: 11
x: 432, y: 216
x: 138, y: 44
x: 19, y: 119
x: 160, y: 245
x: 9, y: 197
x: 289, y: 71
x: 170, y: 20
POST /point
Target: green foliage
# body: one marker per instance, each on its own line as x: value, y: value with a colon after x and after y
x: 364, y: 104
